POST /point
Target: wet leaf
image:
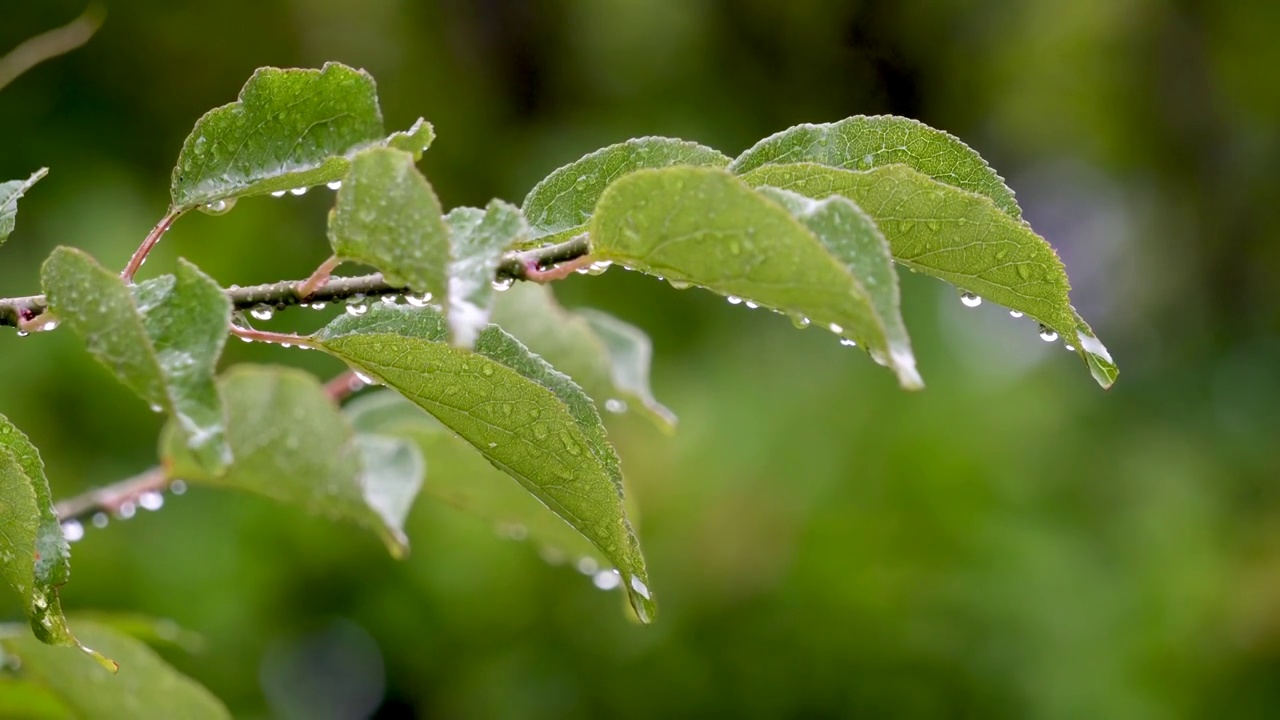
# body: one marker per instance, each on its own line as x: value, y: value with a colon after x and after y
x: 609, y: 358
x: 10, y: 193
x: 527, y: 419
x: 388, y: 216
x: 162, y: 338
x: 146, y: 685
x: 288, y: 129
x: 959, y: 237
x: 291, y: 444
x: 480, y: 237
x: 863, y: 143
x: 562, y: 204
x: 461, y: 478
x: 34, y: 556
x: 705, y: 227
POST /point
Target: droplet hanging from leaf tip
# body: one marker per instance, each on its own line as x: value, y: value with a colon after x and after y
x: 1047, y: 334
x: 970, y: 300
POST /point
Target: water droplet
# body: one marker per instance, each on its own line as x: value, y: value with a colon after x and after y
x: 970, y: 300
x: 418, y: 300
x: 286, y: 345
x: 751, y: 306
x: 178, y: 487
x: 219, y: 207
x: 245, y: 339
x: 51, y: 325
x: 835, y: 328
x: 502, y: 284
x: 100, y: 520
x: 335, y: 185
x: 364, y: 378
x: 356, y: 308
x: 392, y: 299
x: 614, y: 405
x: 800, y: 321
x: 679, y: 284
x: 299, y: 191
x: 262, y: 312
x: 23, y: 333
x: 151, y: 500
x: 1047, y: 335
x: 734, y: 300
x: 606, y: 579
x: 157, y: 407
x: 72, y: 530
x: 126, y: 510
x: 319, y: 305
x: 493, y: 445
x: 598, y: 268
x: 278, y: 193
x: 1069, y: 347
x: 588, y: 566
x: 1015, y: 313
x: 847, y: 342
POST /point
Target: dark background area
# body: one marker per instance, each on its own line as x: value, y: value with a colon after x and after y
x: 1012, y: 542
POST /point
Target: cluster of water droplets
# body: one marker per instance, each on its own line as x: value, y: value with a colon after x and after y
x: 151, y: 500
x: 595, y: 268
x: 1047, y: 334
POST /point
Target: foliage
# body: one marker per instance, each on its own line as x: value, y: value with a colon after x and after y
x: 807, y: 223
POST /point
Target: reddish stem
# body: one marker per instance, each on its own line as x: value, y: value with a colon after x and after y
x: 559, y: 272
x: 140, y: 255
x: 308, y: 287
x: 270, y: 337
x: 343, y: 386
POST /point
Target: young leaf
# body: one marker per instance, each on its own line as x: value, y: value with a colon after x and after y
x: 705, y: 227
x: 480, y: 237
x: 161, y: 338
x: 862, y: 143
x: 562, y: 204
x: 10, y: 193
x: 146, y: 686
x: 34, y: 556
x: 959, y: 237
x: 606, y: 356
x: 461, y: 478
x: 291, y: 444
x: 289, y: 129
x: 388, y: 216
x: 524, y: 417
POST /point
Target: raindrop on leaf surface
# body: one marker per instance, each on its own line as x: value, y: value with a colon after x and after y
x: 970, y: 300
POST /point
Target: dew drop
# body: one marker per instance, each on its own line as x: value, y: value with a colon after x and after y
x: 364, y: 378
x: 299, y: 191
x: 219, y: 207
x: 502, y: 284
x: 418, y: 300
x: 606, y: 579
x: 126, y: 510
x: 734, y: 300
x: 1069, y: 347
x: 679, y: 284
x: 848, y: 342
x: 319, y: 305
x: 100, y: 520
x: 178, y: 487
x: 614, y: 405
x: 72, y: 530
x: 151, y: 500
x: 598, y: 268
x: 390, y: 299
x: 751, y: 306
x: 262, y: 312
x: 800, y: 321
x: 970, y: 300
x: 23, y: 333
x: 356, y: 308
x: 835, y: 328
x: 245, y: 339
x: 588, y: 566
x: 1047, y: 335
x: 335, y: 185
x: 51, y: 325
x: 278, y: 193
x: 1015, y: 313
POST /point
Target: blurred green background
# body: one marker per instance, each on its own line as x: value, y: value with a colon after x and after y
x: 1012, y: 542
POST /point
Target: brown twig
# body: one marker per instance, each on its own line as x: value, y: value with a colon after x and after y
x: 318, y: 278
x: 51, y: 44
x: 111, y: 498
x: 153, y: 237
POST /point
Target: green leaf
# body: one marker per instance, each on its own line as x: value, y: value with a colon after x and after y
x: 959, y: 237
x: 462, y: 479
x: 10, y: 193
x: 34, y: 556
x: 480, y: 237
x: 291, y: 444
x: 863, y: 143
x: 705, y: 227
x: 29, y: 701
x: 606, y: 356
x: 289, y: 129
x: 562, y: 204
x: 388, y: 216
x: 145, y: 687
x: 161, y: 338
x: 527, y: 419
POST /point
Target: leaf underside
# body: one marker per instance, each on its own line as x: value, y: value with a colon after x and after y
x: 480, y: 238
x: 525, y: 418
x: 10, y: 193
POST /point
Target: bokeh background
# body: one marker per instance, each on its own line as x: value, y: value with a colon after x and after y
x: 1012, y: 542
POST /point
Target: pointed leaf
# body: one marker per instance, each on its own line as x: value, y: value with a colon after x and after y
x: 562, y: 204
x: 34, y: 556
x: 606, y: 356
x: 393, y: 474
x: 291, y: 444
x: 388, y: 216
x: 863, y: 143
x: 161, y: 338
x: 524, y: 417
x: 958, y: 237
x: 146, y: 686
x: 10, y: 193
x: 288, y: 129
x: 480, y: 237
x: 705, y: 227
x: 461, y: 478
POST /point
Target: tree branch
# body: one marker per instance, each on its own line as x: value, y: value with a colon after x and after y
x: 51, y: 44
x: 523, y: 265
